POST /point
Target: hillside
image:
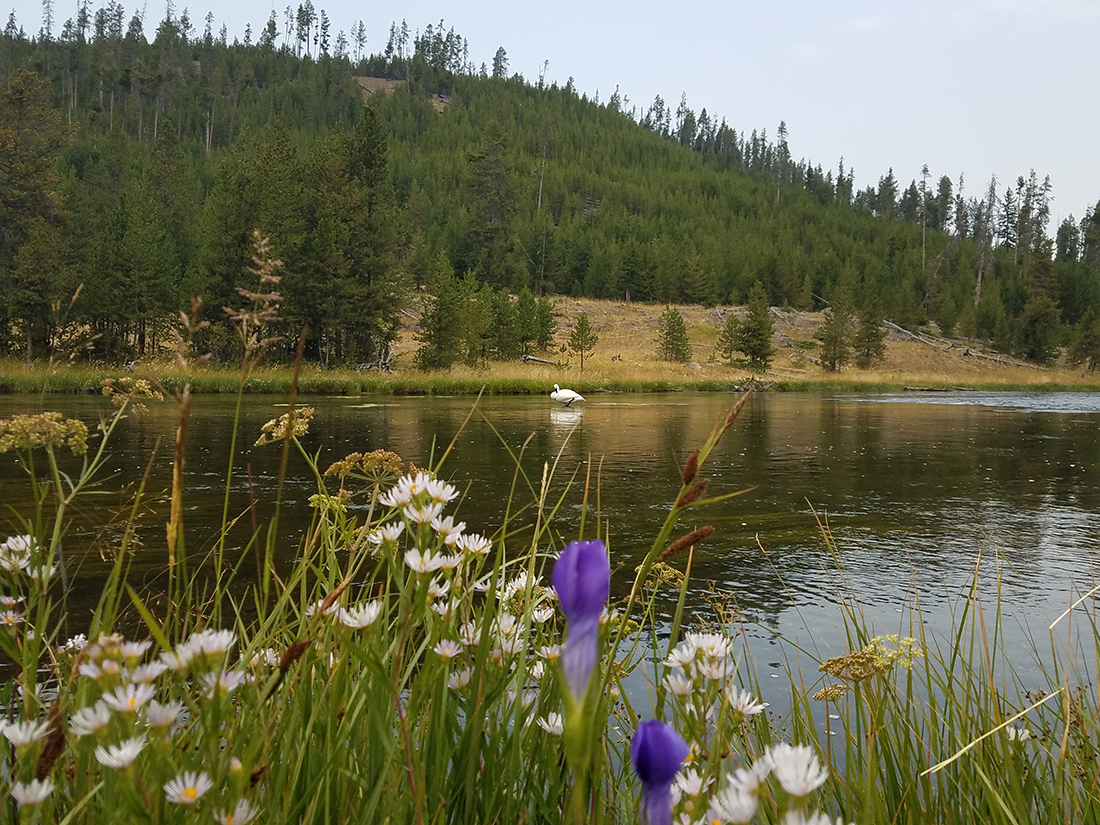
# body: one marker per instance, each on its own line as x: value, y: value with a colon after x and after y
x: 627, y: 350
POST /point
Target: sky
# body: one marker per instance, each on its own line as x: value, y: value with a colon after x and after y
x: 969, y: 87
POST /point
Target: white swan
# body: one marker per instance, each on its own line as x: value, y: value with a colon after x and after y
x: 565, y: 397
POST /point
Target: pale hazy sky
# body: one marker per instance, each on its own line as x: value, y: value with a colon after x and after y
x: 973, y: 87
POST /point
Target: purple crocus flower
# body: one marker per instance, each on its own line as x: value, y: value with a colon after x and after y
x: 582, y: 580
x: 657, y: 753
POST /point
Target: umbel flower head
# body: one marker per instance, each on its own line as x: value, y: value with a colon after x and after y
x: 657, y: 753
x: 582, y: 580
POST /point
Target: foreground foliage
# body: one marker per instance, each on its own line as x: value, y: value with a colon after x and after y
x: 409, y: 669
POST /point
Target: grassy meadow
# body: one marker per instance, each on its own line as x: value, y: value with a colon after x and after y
x: 625, y: 360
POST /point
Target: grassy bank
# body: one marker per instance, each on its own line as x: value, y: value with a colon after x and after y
x: 625, y: 360
x: 528, y: 379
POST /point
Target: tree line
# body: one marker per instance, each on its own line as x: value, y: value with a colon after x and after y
x: 133, y: 173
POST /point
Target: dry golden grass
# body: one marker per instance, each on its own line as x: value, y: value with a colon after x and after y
x: 628, y: 333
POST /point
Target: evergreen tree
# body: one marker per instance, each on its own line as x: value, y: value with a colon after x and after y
x: 546, y: 325
x: 583, y: 339
x: 754, y: 334
x: 441, y: 330
x: 836, y: 333
x: 869, y: 341
x: 1084, y: 349
x: 727, y: 338
x: 1039, y: 330
x: 527, y: 320
x: 672, y: 337
x: 504, y: 331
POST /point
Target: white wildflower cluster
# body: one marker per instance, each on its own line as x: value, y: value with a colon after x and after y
x: 794, y: 768
x: 126, y: 716
x: 702, y: 678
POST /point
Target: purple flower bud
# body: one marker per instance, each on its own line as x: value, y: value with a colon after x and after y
x: 657, y: 753
x: 582, y: 580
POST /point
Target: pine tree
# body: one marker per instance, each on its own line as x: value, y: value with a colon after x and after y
x: 440, y: 334
x: 1084, y: 349
x: 869, y: 341
x: 754, y: 334
x: 546, y: 325
x: 672, y: 337
x: 583, y: 339
x: 836, y: 333
x: 527, y: 311
x: 727, y: 338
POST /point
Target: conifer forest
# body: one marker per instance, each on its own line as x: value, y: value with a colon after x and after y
x: 133, y: 175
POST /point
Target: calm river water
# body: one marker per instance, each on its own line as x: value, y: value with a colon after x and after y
x: 914, y: 489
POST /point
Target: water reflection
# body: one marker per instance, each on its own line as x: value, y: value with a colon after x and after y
x: 914, y: 490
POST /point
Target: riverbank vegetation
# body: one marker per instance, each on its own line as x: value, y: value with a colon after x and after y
x: 412, y: 666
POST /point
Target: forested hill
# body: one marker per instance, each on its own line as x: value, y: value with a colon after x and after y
x: 132, y: 176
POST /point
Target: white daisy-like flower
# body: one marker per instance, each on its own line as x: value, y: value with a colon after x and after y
x: 423, y: 562
x: 448, y: 529
x: 713, y: 645
x: 797, y: 768
x: 223, y: 683
x: 211, y: 643
x: 470, y: 634
x: 30, y: 794
x: 122, y: 755
x: 90, y: 721
x: 460, y: 678
x: 511, y: 645
x: 417, y: 482
x: 513, y: 586
x: 360, y: 615
x: 537, y: 670
x: 796, y: 817
x: 542, y: 615
x: 741, y: 701
x: 449, y: 561
x: 447, y: 648
x: 505, y: 625
x: 682, y: 656
x: 396, y: 497
x: 18, y: 544
x: 438, y: 589
x: 552, y: 723
x: 716, y: 670
x: 42, y: 574
x: 22, y: 734
x: 332, y: 609
x: 679, y: 685
x: 440, y: 491
x: 179, y: 659
x: 474, y: 544
x: 9, y: 618
x: 480, y: 586
x: 391, y: 531
x: 691, y: 783
x: 751, y: 779
x: 76, y: 644
x: 187, y: 788
x: 240, y: 815
x: 444, y: 607
x: 735, y: 804
x: 264, y: 657
x: 422, y: 513
x: 607, y: 616
x: 132, y: 651
x: 128, y: 698
x: 148, y: 672
x: 11, y: 603
x: 550, y: 652
x: 161, y: 716
x: 111, y: 668
x: 1018, y: 734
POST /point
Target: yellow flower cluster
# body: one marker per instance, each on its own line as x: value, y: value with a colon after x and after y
x: 123, y: 390
x: 48, y: 429
x: 880, y: 655
x: 377, y: 466
x: 296, y: 423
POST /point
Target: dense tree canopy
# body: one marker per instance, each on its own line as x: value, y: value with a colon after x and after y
x: 133, y: 173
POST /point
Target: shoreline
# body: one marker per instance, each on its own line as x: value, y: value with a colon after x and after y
x: 503, y: 380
